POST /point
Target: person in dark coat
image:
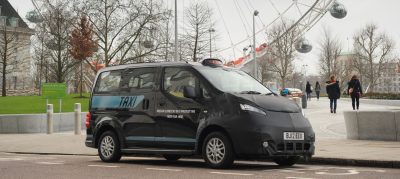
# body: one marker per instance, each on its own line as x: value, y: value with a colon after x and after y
x: 333, y: 90
x: 308, y: 90
x: 355, y: 91
x: 317, y: 89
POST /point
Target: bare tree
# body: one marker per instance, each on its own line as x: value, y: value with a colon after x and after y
x: 283, y: 51
x: 330, y: 50
x: 10, y: 41
x: 199, y: 22
x: 122, y: 26
x: 57, y: 23
x: 374, y: 51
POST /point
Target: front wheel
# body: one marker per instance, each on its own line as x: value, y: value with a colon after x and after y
x: 218, y: 151
x: 109, y: 148
x: 286, y: 161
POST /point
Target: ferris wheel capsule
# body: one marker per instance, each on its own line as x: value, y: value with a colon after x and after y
x: 338, y: 10
x: 303, y: 46
x: 34, y: 17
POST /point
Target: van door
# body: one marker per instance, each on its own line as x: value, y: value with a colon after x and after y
x: 137, y: 102
x: 178, y: 116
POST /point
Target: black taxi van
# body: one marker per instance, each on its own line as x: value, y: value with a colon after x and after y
x: 179, y: 109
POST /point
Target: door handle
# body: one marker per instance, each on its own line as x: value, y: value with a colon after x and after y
x: 146, y: 104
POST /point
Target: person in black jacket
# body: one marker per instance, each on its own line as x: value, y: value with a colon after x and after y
x: 317, y: 89
x: 355, y: 91
x: 333, y: 90
x: 308, y: 90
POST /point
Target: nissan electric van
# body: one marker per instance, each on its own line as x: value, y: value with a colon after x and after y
x: 183, y: 109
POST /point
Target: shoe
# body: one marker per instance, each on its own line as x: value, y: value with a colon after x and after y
x: 331, y: 111
x: 334, y: 111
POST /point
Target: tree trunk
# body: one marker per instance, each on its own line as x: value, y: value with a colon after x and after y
x: 3, y: 92
x: 81, y: 78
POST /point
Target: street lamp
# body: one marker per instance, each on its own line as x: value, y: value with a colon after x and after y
x: 305, y: 73
x: 211, y: 30
x: 254, y: 45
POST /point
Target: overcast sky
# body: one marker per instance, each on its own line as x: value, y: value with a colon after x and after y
x: 237, y: 15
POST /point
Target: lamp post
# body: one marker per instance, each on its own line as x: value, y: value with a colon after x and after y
x: 211, y: 30
x: 305, y: 74
x: 254, y: 45
x: 176, y: 30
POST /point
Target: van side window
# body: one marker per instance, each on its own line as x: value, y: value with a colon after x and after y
x: 108, y: 81
x: 138, y: 79
x: 175, y: 79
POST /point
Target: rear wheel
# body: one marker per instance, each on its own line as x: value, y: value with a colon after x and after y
x: 286, y: 161
x: 171, y: 157
x: 217, y: 150
x: 109, y: 148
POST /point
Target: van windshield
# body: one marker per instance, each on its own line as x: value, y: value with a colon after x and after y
x: 233, y: 81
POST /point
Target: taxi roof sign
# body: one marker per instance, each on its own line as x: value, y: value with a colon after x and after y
x: 212, y: 62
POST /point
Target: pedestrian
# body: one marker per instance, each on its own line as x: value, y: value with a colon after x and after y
x: 333, y: 90
x: 317, y: 89
x: 308, y: 91
x: 355, y: 91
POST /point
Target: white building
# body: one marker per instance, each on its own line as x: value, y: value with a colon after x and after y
x: 15, y: 35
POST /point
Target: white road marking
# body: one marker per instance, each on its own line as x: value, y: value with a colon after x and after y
x: 298, y: 178
x: 349, y: 172
x: 11, y: 159
x: 50, y: 163
x: 225, y: 173
x: 164, y: 169
x: 104, y: 166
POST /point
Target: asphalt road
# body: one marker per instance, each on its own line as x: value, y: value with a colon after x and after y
x: 69, y: 166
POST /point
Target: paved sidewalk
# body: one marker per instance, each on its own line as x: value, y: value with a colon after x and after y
x: 328, y: 151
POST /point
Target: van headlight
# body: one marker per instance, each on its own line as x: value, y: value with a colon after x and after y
x: 246, y: 107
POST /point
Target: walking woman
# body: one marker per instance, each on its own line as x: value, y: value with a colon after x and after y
x: 308, y: 91
x: 355, y: 91
x: 317, y: 89
x: 333, y: 90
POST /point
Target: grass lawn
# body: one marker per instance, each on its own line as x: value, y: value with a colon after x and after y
x: 36, y: 104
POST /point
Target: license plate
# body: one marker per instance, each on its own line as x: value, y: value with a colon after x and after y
x: 293, y: 136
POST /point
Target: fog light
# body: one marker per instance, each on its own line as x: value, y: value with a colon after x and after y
x: 265, y: 144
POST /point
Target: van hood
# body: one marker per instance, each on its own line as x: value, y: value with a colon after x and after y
x: 270, y: 102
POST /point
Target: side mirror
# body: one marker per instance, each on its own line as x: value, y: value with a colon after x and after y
x: 189, y: 92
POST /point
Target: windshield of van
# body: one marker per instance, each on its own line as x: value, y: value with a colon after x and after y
x: 233, y: 81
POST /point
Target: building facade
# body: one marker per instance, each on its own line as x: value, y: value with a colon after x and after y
x: 15, y: 46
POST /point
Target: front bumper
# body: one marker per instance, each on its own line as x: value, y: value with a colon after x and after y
x: 250, y: 139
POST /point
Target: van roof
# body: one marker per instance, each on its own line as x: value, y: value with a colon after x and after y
x: 155, y: 64
x: 150, y: 64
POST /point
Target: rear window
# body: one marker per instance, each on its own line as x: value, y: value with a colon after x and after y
x: 108, y: 81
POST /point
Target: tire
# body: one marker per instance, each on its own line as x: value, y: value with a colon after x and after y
x: 171, y: 157
x: 109, y: 147
x: 286, y: 161
x: 217, y: 151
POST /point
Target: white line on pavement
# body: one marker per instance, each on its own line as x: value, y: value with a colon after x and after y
x: 104, y: 166
x: 225, y: 173
x: 50, y: 163
x: 164, y: 169
x: 298, y: 178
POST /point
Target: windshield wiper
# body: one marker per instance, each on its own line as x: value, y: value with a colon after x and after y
x: 270, y: 94
x: 250, y: 92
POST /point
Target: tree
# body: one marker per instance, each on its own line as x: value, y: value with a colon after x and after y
x: 57, y: 23
x: 374, y: 51
x: 9, y: 43
x: 82, y: 45
x: 122, y: 27
x: 330, y: 50
x: 283, y: 51
x: 199, y: 18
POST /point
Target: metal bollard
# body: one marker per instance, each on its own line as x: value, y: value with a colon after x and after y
x: 77, y: 118
x: 49, y: 118
x: 304, y: 101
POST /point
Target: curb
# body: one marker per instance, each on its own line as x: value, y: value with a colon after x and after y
x: 351, y: 162
x: 312, y: 161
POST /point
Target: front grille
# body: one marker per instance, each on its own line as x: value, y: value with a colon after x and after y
x: 293, y: 147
